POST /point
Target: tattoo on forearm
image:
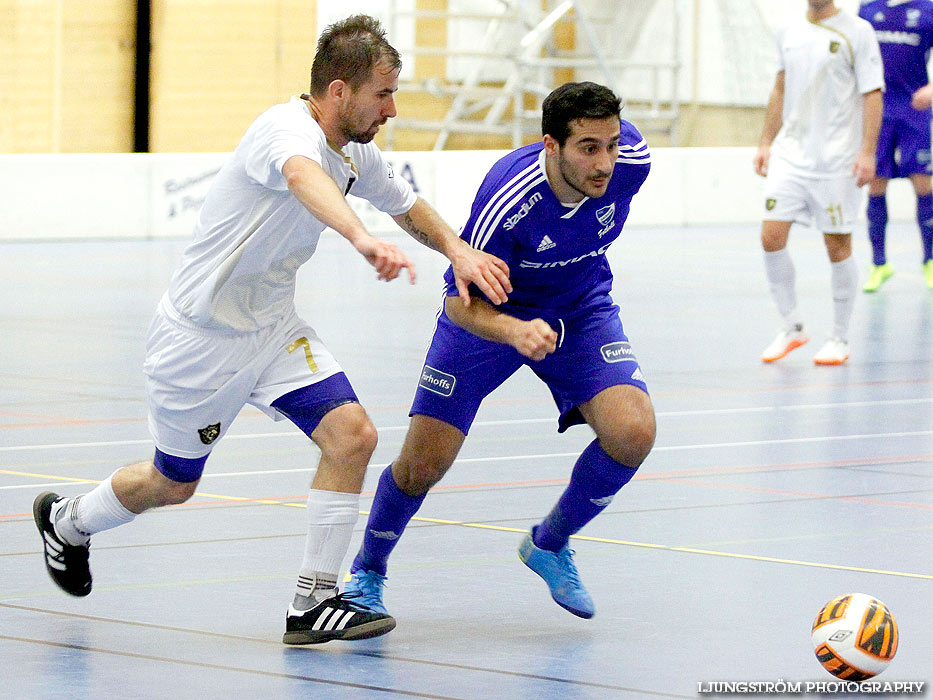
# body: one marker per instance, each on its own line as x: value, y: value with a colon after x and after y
x: 416, y: 233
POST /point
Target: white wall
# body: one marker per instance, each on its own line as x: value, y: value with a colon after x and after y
x: 158, y: 195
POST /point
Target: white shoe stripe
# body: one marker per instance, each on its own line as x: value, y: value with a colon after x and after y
x: 333, y: 622
x: 345, y: 620
x: 319, y: 623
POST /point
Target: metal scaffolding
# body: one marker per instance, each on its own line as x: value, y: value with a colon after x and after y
x: 513, y: 67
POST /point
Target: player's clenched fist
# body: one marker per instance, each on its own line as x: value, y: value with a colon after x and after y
x: 534, y: 339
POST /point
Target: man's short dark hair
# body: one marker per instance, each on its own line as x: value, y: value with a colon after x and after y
x: 576, y: 101
x: 349, y: 50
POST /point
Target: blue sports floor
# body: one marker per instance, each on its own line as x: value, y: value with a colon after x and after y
x: 772, y: 489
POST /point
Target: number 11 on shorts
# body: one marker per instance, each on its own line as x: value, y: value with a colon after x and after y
x: 835, y: 211
x: 303, y: 342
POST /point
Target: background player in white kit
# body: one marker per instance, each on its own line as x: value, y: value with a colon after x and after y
x: 823, y: 118
x: 226, y: 332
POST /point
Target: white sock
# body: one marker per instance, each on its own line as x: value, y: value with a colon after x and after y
x: 781, y: 278
x: 844, y: 283
x: 331, y: 517
x: 76, y: 519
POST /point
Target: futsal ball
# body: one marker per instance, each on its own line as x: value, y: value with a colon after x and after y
x: 854, y: 636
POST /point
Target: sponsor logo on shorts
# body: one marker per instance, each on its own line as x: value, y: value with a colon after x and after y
x: 602, y: 502
x: 618, y: 352
x: 384, y: 534
x: 439, y: 382
x: 770, y: 203
x: 209, y: 434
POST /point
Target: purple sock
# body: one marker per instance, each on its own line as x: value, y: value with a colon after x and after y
x: 391, y: 511
x: 925, y: 218
x: 877, y: 223
x: 595, y: 479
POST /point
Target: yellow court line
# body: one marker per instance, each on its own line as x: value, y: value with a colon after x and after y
x: 48, y: 476
x: 626, y: 543
x: 691, y: 550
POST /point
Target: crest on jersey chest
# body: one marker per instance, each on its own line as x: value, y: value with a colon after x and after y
x: 607, y: 218
x: 834, y: 46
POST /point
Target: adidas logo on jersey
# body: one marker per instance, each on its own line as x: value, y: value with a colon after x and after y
x: 638, y: 376
x: 546, y: 244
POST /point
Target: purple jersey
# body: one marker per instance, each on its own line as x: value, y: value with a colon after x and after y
x: 556, y: 254
x: 904, y: 29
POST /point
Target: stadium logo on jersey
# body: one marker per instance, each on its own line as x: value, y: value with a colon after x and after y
x: 834, y: 46
x: 770, y: 203
x: 606, y: 217
x: 439, y: 382
x: 546, y: 244
x: 563, y: 263
x: 522, y: 211
x: 618, y: 352
x: 209, y: 434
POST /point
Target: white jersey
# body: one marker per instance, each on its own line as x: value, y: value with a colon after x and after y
x: 252, y: 234
x: 828, y: 66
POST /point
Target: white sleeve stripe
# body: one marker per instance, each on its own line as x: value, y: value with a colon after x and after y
x: 633, y: 161
x: 505, y: 191
x: 502, y: 193
x: 641, y: 145
x: 491, y: 224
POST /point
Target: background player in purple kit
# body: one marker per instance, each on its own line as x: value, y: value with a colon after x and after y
x: 904, y: 29
x: 549, y: 210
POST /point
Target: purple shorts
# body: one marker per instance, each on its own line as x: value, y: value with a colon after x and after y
x: 461, y: 369
x: 904, y: 146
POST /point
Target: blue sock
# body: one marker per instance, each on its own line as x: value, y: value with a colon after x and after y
x: 877, y: 223
x: 925, y: 219
x: 391, y: 511
x: 595, y: 479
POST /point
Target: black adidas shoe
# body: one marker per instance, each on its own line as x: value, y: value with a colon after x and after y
x: 335, y: 618
x: 67, y: 564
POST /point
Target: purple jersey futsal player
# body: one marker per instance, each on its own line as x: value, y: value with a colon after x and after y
x: 904, y: 29
x: 550, y: 210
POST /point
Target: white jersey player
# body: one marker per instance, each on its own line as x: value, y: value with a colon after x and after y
x: 817, y: 149
x: 226, y: 332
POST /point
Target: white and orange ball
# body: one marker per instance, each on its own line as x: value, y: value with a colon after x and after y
x: 854, y: 636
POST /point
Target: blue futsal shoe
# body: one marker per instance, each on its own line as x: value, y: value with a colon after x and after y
x: 365, y: 588
x: 560, y: 574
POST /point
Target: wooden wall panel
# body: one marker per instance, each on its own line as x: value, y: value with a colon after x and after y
x: 66, y: 76
x: 218, y: 64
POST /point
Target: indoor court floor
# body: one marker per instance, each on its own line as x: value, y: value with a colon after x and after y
x: 771, y: 490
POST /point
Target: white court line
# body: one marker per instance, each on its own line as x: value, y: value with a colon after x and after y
x: 660, y: 414
x: 557, y: 455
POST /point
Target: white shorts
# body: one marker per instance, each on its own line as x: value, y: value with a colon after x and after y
x: 830, y: 205
x: 198, y: 379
